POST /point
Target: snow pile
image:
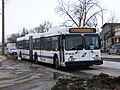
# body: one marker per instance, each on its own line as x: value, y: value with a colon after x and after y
x: 97, y: 82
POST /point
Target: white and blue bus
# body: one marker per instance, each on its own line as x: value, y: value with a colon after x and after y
x: 62, y: 46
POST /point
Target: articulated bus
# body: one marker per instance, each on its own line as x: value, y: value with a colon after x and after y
x: 62, y: 46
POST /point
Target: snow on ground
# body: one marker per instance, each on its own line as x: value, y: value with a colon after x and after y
x: 111, y: 64
x: 110, y: 60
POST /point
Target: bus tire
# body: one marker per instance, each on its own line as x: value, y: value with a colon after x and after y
x: 56, y: 62
x: 35, y: 58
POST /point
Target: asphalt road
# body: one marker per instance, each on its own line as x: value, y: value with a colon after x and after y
x: 25, y: 75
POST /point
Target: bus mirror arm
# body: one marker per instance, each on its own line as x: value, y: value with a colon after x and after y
x: 61, y: 48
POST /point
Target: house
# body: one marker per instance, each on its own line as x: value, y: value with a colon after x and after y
x: 110, y: 35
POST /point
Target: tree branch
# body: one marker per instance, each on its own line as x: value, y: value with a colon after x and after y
x: 92, y: 16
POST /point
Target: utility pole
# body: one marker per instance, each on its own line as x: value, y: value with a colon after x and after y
x: 3, y: 42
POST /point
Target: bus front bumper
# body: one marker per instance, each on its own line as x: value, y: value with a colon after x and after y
x: 83, y: 63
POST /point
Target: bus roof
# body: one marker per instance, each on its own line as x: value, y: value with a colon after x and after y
x: 59, y: 31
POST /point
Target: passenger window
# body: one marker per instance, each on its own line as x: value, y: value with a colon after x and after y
x: 48, y: 43
x: 55, y: 43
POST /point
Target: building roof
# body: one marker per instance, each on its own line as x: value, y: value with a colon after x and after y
x: 111, y: 24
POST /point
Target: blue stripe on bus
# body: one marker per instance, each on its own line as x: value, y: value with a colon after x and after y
x: 40, y: 56
x: 49, y: 57
x: 26, y: 54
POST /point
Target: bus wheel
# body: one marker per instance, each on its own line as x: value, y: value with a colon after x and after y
x: 56, y: 62
x: 35, y: 58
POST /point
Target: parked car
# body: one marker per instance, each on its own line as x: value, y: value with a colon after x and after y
x: 12, y: 51
x: 114, y: 49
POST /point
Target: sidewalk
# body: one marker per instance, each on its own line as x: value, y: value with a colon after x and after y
x: 111, y: 57
x: 105, y: 55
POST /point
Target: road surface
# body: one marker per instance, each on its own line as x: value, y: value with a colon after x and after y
x: 24, y: 75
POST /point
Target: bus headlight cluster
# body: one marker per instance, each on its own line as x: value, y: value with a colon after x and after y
x: 71, y: 58
x: 96, y: 57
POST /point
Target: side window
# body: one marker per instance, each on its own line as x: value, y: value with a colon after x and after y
x: 48, y: 43
x: 55, y: 41
x: 26, y: 43
x: 20, y: 44
x: 42, y: 43
x: 36, y: 44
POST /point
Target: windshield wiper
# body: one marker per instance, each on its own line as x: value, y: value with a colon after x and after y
x: 92, y: 51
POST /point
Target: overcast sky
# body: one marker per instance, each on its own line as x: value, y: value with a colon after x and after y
x: 31, y: 13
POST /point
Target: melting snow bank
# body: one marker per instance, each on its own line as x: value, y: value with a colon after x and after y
x: 97, y: 82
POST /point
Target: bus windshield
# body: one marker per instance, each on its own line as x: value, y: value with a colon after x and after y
x: 78, y: 42
x: 74, y: 42
x: 92, y: 41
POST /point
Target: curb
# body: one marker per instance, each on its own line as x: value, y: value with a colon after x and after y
x: 111, y: 59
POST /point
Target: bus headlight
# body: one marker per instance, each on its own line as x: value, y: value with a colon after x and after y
x: 71, y: 58
x: 96, y: 57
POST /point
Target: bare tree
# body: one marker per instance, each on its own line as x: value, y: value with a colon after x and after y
x: 82, y: 12
x: 47, y: 25
x: 93, y: 22
x: 42, y: 27
x: 12, y: 38
x: 39, y: 29
x: 31, y: 31
x: 113, y: 18
x: 24, y: 32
